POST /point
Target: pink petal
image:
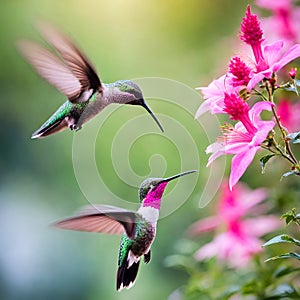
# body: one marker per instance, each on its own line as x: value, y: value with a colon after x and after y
x: 243, y: 250
x: 203, y: 108
x: 240, y: 201
x: 272, y: 52
x: 290, y: 55
x: 220, y: 83
x: 255, y: 111
x: 215, y: 88
x: 235, y: 250
x: 289, y: 114
x: 274, y: 5
x: 237, y: 147
x: 255, y: 80
x: 208, y: 250
x: 217, y: 150
x: 221, y: 246
x: 240, y: 127
x: 261, y: 225
x: 204, y: 225
x: 239, y: 164
x: 214, y: 96
x: 252, y: 198
x: 264, y: 127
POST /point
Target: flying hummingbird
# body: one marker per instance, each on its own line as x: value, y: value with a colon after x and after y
x: 72, y: 73
x: 138, y: 228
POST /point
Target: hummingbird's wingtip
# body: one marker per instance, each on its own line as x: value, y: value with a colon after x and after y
x: 35, y: 136
x: 53, y: 225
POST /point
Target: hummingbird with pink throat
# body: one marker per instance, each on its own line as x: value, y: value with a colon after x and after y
x: 137, y: 228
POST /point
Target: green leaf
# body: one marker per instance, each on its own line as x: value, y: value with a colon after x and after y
x: 283, y: 238
x: 282, y: 271
x: 294, y: 137
x: 230, y: 292
x: 289, y: 219
x: 284, y: 291
x: 249, y: 288
x: 285, y: 255
x: 291, y: 87
x: 263, y: 161
x: 289, y: 216
x: 294, y: 172
x: 297, y: 82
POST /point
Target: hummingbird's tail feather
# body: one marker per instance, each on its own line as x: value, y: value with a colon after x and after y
x: 126, y: 275
x: 50, y: 128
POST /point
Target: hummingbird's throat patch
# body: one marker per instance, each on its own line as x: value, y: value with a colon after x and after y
x: 153, y: 198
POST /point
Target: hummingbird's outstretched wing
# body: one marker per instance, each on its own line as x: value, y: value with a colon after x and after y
x: 71, y: 72
x: 102, y: 218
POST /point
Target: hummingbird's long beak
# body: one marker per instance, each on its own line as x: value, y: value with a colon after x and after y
x: 178, y: 175
x: 143, y: 103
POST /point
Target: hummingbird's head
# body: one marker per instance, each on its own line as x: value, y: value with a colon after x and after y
x: 152, y: 189
x: 135, y: 97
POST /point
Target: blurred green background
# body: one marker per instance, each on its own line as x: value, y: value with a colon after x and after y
x: 186, y: 41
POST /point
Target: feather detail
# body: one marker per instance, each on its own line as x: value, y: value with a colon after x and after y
x: 51, y: 68
x: 77, y: 62
x: 104, y: 219
x: 55, y: 127
x: 70, y: 72
x: 126, y: 275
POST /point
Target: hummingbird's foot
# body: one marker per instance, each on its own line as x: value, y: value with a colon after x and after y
x: 74, y: 127
x: 147, y: 257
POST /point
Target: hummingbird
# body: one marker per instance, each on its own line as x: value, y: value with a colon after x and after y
x: 137, y: 228
x: 71, y: 72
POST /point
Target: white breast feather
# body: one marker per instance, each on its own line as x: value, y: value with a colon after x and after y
x: 150, y: 214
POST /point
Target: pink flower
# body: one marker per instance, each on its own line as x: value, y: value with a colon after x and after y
x: 273, y: 60
x: 239, y: 72
x: 275, y: 5
x: 243, y: 140
x: 214, y: 96
x: 289, y: 115
x: 238, y: 109
x: 239, y: 239
x: 268, y: 58
x: 293, y: 73
x: 285, y: 21
x: 251, y: 34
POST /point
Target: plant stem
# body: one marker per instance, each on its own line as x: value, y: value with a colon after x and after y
x: 261, y: 94
x: 283, y: 132
x: 278, y: 152
x: 291, y: 157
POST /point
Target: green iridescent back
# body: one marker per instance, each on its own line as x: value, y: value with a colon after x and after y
x: 66, y: 109
x: 126, y: 243
x: 124, y: 248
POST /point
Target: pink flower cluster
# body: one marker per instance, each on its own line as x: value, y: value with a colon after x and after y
x: 223, y: 96
x: 284, y: 23
x: 237, y: 235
